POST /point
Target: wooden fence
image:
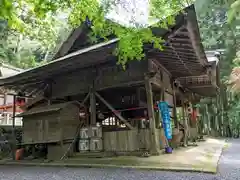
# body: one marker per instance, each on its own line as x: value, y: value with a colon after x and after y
x: 130, y: 140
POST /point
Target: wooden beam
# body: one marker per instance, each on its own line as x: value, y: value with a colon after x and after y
x: 153, y: 135
x: 187, y: 58
x: 173, y: 33
x: 161, y: 66
x: 127, y: 84
x: 114, y: 111
x: 200, y: 86
x: 66, y: 46
x: 172, y: 62
x: 180, y: 45
x: 196, y: 44
x: 181, y: 39
x: 175, y: 106
x: 86, y: 98
x: 180, y: 51
x: 183, y: 33
x: 184, y: 42
x: 93, y: 116
x: 155, y: 81
x: 185, y: 124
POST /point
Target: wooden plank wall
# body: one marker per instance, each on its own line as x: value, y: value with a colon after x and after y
x: 106, y: 75
x: 51, y: 127
x: 69, y: 121
x: 39, y: 128
x: 144, y: 139
x: 120, y: 141
x: 130, y: 140
x: 72, y: 84
x: 114, y: 75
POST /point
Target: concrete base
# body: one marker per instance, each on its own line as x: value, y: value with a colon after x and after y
x: 203, y: 158
x: 56, y: 152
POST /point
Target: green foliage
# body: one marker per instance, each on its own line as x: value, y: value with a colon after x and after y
x: 26, y: 39
x: 216, y: 32
x: 234, y: 12
x: 38, y: 15
x: 131, y: 38
x: 220, y: 31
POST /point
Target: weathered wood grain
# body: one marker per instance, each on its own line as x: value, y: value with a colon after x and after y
x: 131, y: 140
x: 51, y: 127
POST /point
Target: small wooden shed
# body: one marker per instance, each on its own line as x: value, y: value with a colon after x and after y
x: 50, y: 124
x: 55, y: 125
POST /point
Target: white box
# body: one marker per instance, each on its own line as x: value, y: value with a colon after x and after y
x: 96, y: 144
x: 84, y: 133
x: 95, y: 132
x: 83, y: 145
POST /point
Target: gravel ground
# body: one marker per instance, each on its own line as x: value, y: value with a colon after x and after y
x: 229, y: 169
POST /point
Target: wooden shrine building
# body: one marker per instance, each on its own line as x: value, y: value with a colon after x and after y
x: 6, y: 98
x: 121, y: 101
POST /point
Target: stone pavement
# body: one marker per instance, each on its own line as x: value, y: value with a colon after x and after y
x: 202, y: 158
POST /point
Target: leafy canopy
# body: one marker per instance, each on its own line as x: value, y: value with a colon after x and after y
x: 25, y: 15
x: 234, y: 16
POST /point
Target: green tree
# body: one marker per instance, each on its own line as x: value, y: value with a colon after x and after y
x: 234, y: 12
x: 26, y: 40
x: 219, y: 31
x: 132, y: 36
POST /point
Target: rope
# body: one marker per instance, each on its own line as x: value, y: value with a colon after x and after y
x: 130, y: 109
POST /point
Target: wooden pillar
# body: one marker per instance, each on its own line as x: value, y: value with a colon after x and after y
x: 154, y: 149
x: 185, y: 124
x: 175, y: 107
x: 163, y: 94
x: 50, y: 93
x: 5, y: 113
x: 13, y: 128
x: 5, y: 99
x: 93, y: 107
x: 208, y: 120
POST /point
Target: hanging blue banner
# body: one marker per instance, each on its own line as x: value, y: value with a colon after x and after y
x: 164, y: 109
